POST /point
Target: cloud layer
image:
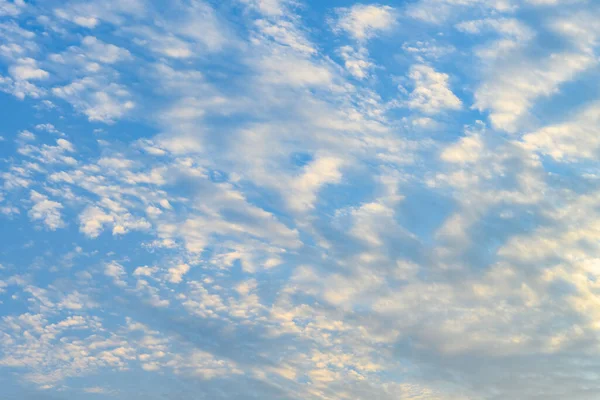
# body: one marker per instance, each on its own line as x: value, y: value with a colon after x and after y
x: 278, y: 199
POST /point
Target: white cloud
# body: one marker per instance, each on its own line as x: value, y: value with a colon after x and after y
x: 431, y: 93
x: 46, y: 210
x: 26, y: 135
x: 512, y: 89
x: 91, y: 14
x: 270, y: 7
x: 303, y: 189
x: 98, y: 101
x: 439, y: 11
x: 243, y: 175
x: 115, y: 271
x: 194, y: 30
x: 286, y: 33
x: 166, y: 44
x: 288, y: 69
x: 577, y: 138
x: 356, y: 61
x: 92, y: 221
x: 428, y: 49
x: 363, y: 22
x: 11, y: 8
x: 20, y: 88
x: 96, y: 390
x: 514, y: 80
x: 468, y: 149
x: 47, y: 128
x: 513, y: 33
x: 547, y: 2
x: 84, y: 21
x: 177, y: 272
x: 145, y: 271
x: 26, y: 69
x: 12, y: 50
x: 246, y: 287
x: 510, y: 27
x: 200, y: 23
x: 47, y: 154
x: 103, y: 52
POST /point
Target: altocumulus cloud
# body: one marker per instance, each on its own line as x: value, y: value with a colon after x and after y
x: 290, y: 199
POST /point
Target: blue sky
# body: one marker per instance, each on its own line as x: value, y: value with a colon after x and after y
x: 292, y: 199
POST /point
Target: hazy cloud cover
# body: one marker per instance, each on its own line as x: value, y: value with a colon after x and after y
x: 299, y: 199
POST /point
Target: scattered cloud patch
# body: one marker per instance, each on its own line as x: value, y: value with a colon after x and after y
x: 431, y: 93
x: 102, y: 103
x: 46, y: 210
x: 261, y: 209
x: 363, y: 21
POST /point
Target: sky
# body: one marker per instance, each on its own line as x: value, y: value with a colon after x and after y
x: 299, y: 199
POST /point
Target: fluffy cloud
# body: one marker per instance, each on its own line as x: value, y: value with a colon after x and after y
x: 26, y: 69
x: 322, y: 171
x: 116, y: 272
x: 515, y: 79
x: 356, y: 61
x: 365, y: 21
x: 510, y: 94
x: 431, y: 93
x: 572, y: 140
x: 46, y: 210
x: 99, y: 102
x: 102, y: 52
x: 11, y: 8
x: 176, y: 273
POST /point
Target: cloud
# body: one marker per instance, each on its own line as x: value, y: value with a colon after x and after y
x: 440, y: 11
x: 322, y: 171
x: 261, y: 216
x: 26, y: 69
x: 363, y: 22
x: 96, y: 389
x: 11, y: 8
x: 21, y: 89
x: 428, y: 49
x: 47, y: 128
x: 356, y: 61
x: 165, y: 44
x: 431, y: 93
x: 285, y: 33
x: 22, y: 72
x: 99, y: 102
x: 91, y: 14
x: 573, y: 140
x: 194, y: 30
x: 116, y: 272
x: 270, y: 7
x: 103, y: 52
x: 287, y: 69
x: 467, y: 150
x: 511, y: 92
x: 92, y: 221
x: 515, y: 80
x: 45, y: 210
x: 176, y: 273
x: 26, y: 135
x: 86, y: 22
